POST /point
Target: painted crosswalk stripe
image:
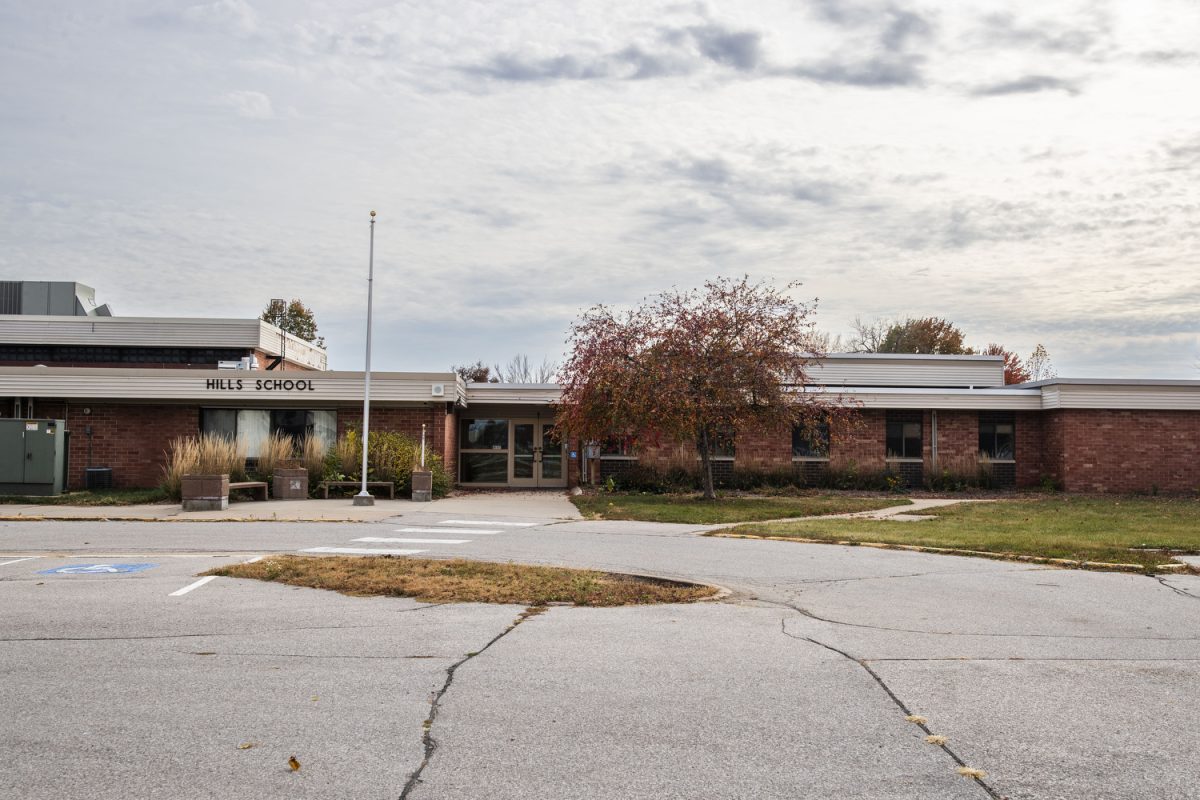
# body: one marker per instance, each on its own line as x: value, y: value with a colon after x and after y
x: 191, y: 586
x: 385, y: 540
x: 488, y: 522
x: 472, y: 531
x: 363, y: 551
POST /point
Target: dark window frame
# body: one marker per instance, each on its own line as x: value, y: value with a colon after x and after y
x: 899, y: 437
x: 990, y: 433
x: 811, y: 441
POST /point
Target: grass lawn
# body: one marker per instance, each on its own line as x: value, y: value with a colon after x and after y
x: 434, y: 581
x: 1077, y: 528
x: 106, y: 497
x: 691, y: 509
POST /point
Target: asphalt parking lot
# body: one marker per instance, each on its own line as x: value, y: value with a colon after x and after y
x: 1056, y: 683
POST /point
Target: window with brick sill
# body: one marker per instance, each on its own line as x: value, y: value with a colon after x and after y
x: 619, y: 448
x: 722, y: 446
x: 903, y: 437
x: 810, y: 442
x: 997, y: 437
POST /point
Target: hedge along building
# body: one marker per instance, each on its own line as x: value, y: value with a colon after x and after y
x: 915, y: 413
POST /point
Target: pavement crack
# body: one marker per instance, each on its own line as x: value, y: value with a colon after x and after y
x: 980, y: 782
x: 427, y: 738
x: 1175, y: 589
x: 806, y: 613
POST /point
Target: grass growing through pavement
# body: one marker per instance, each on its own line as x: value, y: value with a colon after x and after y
x: 104, y: 497
x: 693, y: 510
x: 1113, y: 530
x: 434, y: 581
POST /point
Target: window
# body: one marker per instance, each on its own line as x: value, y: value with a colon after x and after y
x: 618, y: 446
x: 997, y: 437
x: 484, y: 451
x: 810, y: 440
x: 904, y: 436
x: 722, y: 443
x: 253, y: 425
x: 484, y: 434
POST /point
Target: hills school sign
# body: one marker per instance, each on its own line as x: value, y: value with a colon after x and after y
x: 259, y: 385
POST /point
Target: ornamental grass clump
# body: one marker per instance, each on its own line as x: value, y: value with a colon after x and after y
x: 207, y: 454
x: 313, y: 452
x: 272, y: 453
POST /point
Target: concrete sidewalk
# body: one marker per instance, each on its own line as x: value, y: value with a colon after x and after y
x: 546, y: 505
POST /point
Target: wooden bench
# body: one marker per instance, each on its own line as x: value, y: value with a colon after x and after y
x: 324, y: 486
x: 254, y: 487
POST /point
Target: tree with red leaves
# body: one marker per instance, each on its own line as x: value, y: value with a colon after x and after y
x: 1014, y: 369
x: 693, y: 366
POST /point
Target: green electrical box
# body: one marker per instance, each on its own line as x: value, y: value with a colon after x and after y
x: 33, y: 456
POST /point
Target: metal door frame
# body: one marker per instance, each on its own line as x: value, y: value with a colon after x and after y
x: 539, y: 445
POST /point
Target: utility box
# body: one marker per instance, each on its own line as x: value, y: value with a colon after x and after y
x: 33, y: 456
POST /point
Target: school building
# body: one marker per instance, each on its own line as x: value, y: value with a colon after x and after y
x: 126, y: 386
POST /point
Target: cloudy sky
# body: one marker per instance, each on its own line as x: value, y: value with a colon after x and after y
x: 1028, y: 170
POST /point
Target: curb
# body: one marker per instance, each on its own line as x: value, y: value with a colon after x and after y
x: 1058, y: 562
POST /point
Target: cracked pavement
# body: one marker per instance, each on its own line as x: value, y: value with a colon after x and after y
x: 1056, y: 683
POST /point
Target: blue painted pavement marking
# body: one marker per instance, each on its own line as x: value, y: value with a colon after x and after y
x: 96, y: 569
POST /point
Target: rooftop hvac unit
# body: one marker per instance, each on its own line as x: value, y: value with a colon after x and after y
x: 229, y: 365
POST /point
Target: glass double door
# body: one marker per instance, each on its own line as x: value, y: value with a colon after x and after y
x: 537, y: 454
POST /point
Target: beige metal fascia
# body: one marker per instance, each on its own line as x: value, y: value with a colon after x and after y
x: 223, y: 386
x: 1150, y: 397
x: 921, y: 398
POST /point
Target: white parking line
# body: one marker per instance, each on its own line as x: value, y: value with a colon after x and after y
x: 362, y: 551
x: 472, y: 531
x: 384, y: 540
x: 18, y: 560
x: 488, y: 522
x: 191, y: 586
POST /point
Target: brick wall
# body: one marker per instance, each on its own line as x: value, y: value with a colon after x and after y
x: 1031, y: 448
x: 132, y: 440
x: 1125, y: 451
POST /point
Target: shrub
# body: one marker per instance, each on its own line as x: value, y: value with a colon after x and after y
x: 959, y: 474
x: 207, y: 454
x: 390, y: 457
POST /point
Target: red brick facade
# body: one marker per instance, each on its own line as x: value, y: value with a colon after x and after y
x: 1096, y: 450
x: 1078, y: 450
x: 132, y: 440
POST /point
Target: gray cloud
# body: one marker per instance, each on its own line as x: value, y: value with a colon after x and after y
x: 741, y: 50
x: 1004, y: 30
x: 886, y: 52
x: 887, y: 58
x: 678, y: 51
x: 877, y: 72
x: 1028, y: 84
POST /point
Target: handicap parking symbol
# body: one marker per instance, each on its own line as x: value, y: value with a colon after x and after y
x: 97, y: 569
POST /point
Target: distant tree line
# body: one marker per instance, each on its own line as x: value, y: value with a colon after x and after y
x: 519, y: 369
x: 939, y: 336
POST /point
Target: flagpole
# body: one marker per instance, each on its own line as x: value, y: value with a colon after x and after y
x: 363, y: 498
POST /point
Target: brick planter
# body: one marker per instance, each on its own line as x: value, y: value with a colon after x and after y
x: 290, y: 484
x: 205, y: 492
x: 422, y: 486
